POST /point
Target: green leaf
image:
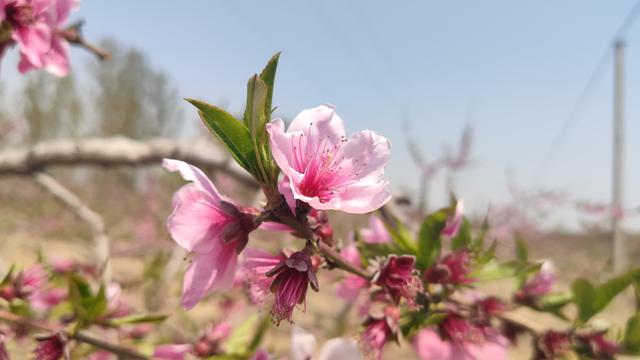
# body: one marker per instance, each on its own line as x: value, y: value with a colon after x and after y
x: 463, y: 238
x: 370, y: 251
x: 477, y: 245
x: 234, y: 135
x: 429, y: 240
x: 416, y: 320
x: 591, y: 300
x: 268, y: 75
x: 258, y: 335
x: 401, y: 237
x: 631, y: 340
x: 493, y: 270
x: 138, y: 319
x: 522, y: 254
x: 243, y: 336
x: 7, y: 277
x: 584, y: 296
x: 86, y: 306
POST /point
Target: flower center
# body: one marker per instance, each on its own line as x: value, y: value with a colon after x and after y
x: 20, y: 15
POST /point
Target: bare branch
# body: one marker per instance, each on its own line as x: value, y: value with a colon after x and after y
x: 118, y: 151
x: 82, y: 211
x: 74, y: 36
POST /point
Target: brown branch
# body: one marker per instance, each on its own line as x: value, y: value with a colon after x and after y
x: 81, y: 210
x: 341, y: 263
x: 117, y: 151
x: 79, y: 336
x: 74, y: 36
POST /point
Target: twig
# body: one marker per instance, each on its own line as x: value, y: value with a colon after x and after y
x: 74, y: 36
x: 341, y: 263
x: 80, y: 336
x: 117, y: 151
x: 82, y: 211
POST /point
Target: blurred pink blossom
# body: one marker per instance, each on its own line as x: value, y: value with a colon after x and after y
x: 429, y: 345
x: 326, y: 170
x: 454, y: 221
x: 452, y: 269
x: 352, y: 285
x: 172, y: 351
x: 397, y: 276
x: 215, y: 229
x: 255, y: 265
x: 376, y: 233
x: 304, y: 344
x: 380, y: 328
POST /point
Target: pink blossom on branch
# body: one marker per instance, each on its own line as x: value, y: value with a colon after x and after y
x: 452, y: 226
x: 397, y: 277
x: 429, y: 345
x: 255, y: 265
x: 291, y: 279
x: 376, y: 233
x: 325, y: 169
x: 352, y: 285
x: 215, y: 229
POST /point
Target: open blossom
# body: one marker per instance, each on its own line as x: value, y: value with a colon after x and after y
x: 210, y: 343
x: 25, y: 284
x: 36, y: 28
x: 255, y: 265
x: 324, y: 168
x: 292, y: 277
x: 376, y: 233
x: 452, y: 269
x: 215, y: 229
x: 303, y: 347
x: 397, y: 277
x: 453, y: 223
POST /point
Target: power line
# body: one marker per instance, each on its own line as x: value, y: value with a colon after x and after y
x: 583, y: 96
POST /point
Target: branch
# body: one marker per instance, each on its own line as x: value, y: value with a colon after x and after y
x: 117, y: 151
x: 79, y: 336
x: 82, y: 211
x: 74, y: 36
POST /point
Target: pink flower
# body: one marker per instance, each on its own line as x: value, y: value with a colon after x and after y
x: 598, y: 346
x: 210, y: 342
x: 452, y: 226
x: 172, y: 351
x: 326, y: 170
x: 376, y: 233
x: 397, y: 277
x: 215, y: 229
x: 261, y: 354
x: 553, y: 344
x: 51, y: 347
x: 255, y: 265
x: 379, y: 329
x: 429, y: 345
x: 292, y: 278
x: 31, y: 28
x: 537, y: 286
x: 55, y: 58
x: 43, y: 300
x: 351, y: 286
x: 452, y: 269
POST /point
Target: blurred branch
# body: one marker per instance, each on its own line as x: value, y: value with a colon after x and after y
x: 117, y: 151
x: 73, y: 35
x: 122, y: 352
x: 82, y: 211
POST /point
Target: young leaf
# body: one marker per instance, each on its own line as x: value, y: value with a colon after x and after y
x: 138, y: 319
x: 493, y: 270
x: 268, y: 75
x: 522, y: 253
x: 429, y: 240
x: 232, y: 133
x: 463, y: 238
x: 631, y: 340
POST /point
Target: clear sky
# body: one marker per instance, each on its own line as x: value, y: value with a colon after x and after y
x: 511, y: 68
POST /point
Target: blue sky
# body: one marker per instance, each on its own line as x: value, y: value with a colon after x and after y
x: 512, y: 69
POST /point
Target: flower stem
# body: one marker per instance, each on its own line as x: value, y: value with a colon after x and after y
x: 79, y: 336
x: 341, y: 263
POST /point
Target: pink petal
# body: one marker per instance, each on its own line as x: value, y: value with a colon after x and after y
x: 35, y: 42
x: 303, y: 344
x: 452, y: 226
x: 63, y: 9
x: 192, y: 173
x: 363, y: 198
x: 368, y: 153
x: 172, y: 352
x: 284, y: 187
x: 212, y: 271
x: 57, y: 59
x: 340, y: 349
x: 196, y: 222
x: 376, y: 233
x: 429, y: 345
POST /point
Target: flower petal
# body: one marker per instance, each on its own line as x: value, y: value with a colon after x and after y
x: 367, y: 153
x: 192, y: 173
x: 340, y: 349
x: 207, y: 272
x: 303, y: 344
x: 57, y: 59
x: 196, y: 222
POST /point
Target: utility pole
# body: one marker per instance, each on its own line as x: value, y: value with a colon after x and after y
x: 620, y: 254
